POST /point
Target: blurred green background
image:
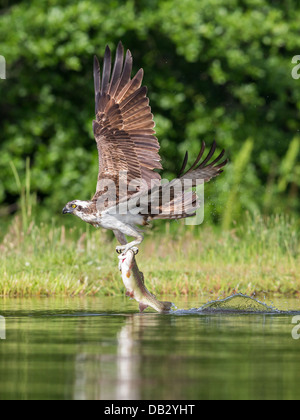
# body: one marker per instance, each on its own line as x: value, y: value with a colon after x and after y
x: 215, y: 69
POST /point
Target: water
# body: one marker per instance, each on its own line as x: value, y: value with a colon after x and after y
x: 100, y: 348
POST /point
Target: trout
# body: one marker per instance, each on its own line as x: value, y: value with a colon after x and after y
x: 133, y: 280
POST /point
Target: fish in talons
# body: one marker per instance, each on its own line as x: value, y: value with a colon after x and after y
x: 133, y: 280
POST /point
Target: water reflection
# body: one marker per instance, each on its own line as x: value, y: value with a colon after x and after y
x: 128, y: 361
x: 119, y: 374
x: 101, y: 349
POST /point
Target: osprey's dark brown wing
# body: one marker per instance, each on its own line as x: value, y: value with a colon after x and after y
x: 204, y: 170
x: 124, y: 124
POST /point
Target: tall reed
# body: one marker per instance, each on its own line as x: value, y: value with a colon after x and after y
x: 27, y: 199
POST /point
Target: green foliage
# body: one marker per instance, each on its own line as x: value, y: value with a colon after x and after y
x: 242, y: 161
x: 215, y: 69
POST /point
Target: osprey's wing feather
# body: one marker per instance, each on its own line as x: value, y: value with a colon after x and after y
x: 204, y: 170
x: 124, y: 124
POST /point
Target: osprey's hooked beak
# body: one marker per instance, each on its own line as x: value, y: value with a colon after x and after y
x: 66, y: 210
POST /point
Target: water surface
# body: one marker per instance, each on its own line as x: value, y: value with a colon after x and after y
x: 101, y: 348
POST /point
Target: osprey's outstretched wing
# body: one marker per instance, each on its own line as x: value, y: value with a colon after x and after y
x: 124, y: 124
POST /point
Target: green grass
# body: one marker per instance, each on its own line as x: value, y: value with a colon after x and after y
x: 260, y: 256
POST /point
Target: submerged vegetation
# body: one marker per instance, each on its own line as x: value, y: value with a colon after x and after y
x: 261, y: 256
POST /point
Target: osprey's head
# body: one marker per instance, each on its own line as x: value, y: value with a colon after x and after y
x: 76, y: 207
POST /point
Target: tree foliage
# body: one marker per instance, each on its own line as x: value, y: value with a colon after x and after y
x: 215, y: 69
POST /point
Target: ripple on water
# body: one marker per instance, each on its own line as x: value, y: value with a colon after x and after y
x: 237, y: 303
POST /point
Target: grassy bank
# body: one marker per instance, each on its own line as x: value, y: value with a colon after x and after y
x: 261, y: 256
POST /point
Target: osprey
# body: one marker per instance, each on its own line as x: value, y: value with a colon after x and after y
x: 129, y: 190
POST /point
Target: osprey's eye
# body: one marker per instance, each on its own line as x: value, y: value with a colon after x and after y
x: 74, y: 206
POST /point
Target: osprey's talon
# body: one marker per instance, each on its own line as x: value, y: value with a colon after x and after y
x: 123, y: 250
x: 135, y: 250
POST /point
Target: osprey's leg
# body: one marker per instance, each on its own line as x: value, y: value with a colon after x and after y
x: 120, y: 237
x: 130, y: 231
x: 123, y: 241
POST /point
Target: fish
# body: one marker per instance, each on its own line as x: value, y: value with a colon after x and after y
x: 134, y: 283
